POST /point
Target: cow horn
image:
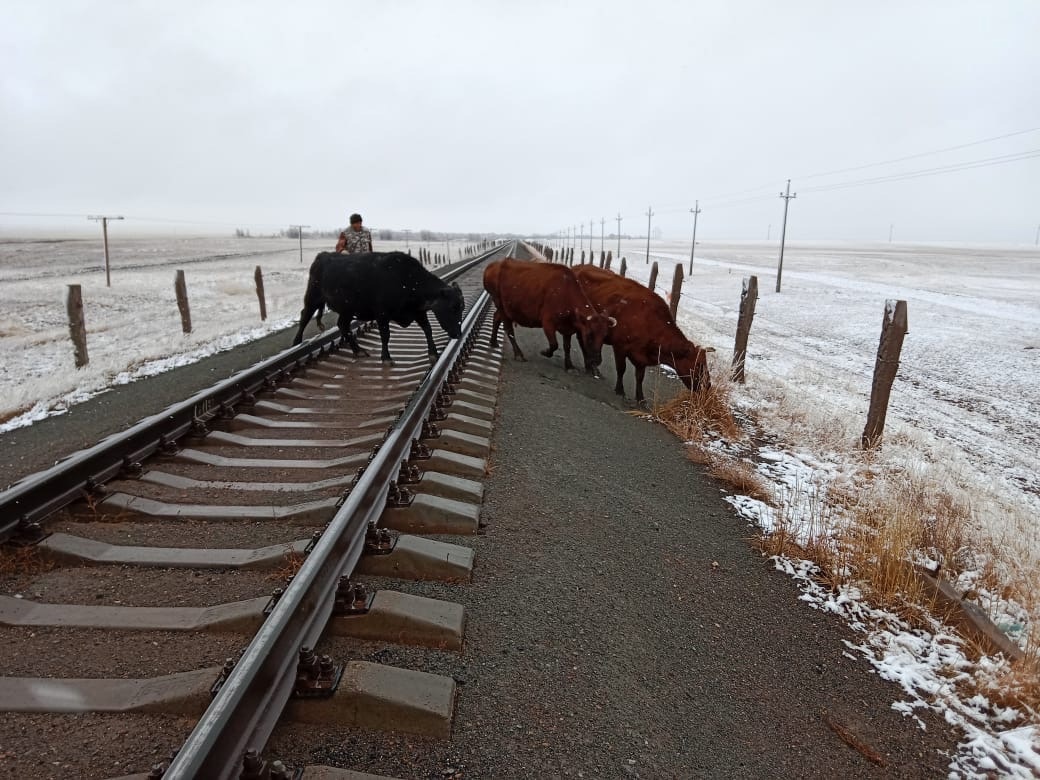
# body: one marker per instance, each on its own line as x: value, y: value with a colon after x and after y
x: 612, y: 321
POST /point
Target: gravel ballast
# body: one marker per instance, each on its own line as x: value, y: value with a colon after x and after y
x: 620, y: 625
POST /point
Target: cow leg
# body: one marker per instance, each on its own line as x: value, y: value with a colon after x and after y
x: 384, y: 337
x: 495, y: 325
x: 317, y: 317
x: 344, y: 328
x: 619, y: 363
x: 550, y: 336
x: 517, y: 354
x: 305, y: 316
x: 567, y: 364
x: 423, y: 321
x: 640, y: 373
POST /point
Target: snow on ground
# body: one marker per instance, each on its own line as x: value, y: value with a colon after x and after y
x: 964, y: 406
x: 963, y: 410
x: 134, y: 327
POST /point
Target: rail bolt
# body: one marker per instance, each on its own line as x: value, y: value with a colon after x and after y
x: 253, y: 767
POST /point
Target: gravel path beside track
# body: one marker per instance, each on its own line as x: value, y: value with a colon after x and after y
x: 621, y: 626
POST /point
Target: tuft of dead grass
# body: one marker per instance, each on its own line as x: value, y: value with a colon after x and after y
x: 741, y: 477
x: 25, y: 561
x: 292, y: 562
x: 695, y: 416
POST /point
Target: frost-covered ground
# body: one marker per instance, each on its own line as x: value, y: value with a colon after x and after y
x: 964, y: 408
x: 963, y: 415
x: 134, y: 327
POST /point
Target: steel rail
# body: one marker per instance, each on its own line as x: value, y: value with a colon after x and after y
x: 248, y: 705
x: 31, y: 499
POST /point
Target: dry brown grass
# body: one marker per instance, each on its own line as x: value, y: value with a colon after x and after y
x: 872, y: 527
x: 740, y: 476
x: 23, y: 562
x: 292, y: 561
x: 1019, y: 687
x: 696, y: 416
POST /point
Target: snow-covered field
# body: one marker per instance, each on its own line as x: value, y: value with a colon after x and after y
x: 133, y: 327
x: 962, y: 417
x: 964, y: 408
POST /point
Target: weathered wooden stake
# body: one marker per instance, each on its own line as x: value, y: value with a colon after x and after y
x: 748, y: 296
x: 258, y: 275
x: 582, y: 257
x: 182, y: 301
x: 77, y: 325
x: 610, y: 259
x: 602, y: 258
x: 893, y: 328
x: 652, y: 281
x: 677, y: 277
x: 624, y: 267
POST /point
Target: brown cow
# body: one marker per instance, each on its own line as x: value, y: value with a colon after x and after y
x: 645, y: 332
x: 548, y: 296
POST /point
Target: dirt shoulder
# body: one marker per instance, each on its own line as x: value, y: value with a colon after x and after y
x: 620, y: 625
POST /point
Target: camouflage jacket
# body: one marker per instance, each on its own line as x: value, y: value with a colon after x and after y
x: 356, y: 241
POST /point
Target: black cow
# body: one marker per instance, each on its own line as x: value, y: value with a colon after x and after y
x: 380, y: 286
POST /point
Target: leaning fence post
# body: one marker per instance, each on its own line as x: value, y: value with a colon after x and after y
x: 258, y: 275
x: 77, y: 325
x: 677, y: 278
x: 652, y: 282
x: 893, y: 328
x: 182, y: 301
x: 624, y: 267
x: 748, y: 296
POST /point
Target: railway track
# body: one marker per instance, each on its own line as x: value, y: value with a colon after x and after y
x: 187, y: 570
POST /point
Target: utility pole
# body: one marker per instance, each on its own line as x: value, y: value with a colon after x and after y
x: 592, y: 226
x: 299, y: 232
x: 783, y: 232
x: 575, y: 242
x: 693, y: 246
x: 769, y: 231
x: 649, y: 214
x: 619, y: 235
x: 104, y: 234
x: 890, y: 233
x: 602, y: 223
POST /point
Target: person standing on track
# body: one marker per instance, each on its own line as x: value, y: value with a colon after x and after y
x: 355, y: 239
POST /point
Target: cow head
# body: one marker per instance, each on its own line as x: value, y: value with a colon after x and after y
x: 594, y: 329
x: 447, y: 307
x: 692, y: 367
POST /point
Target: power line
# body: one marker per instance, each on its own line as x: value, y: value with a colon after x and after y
x: 921, y: 154
x: 984, y: 162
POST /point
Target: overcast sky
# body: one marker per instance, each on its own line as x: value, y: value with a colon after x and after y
x: 522, y: 116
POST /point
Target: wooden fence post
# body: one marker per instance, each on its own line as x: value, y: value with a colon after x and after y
x: 182, y: 301
x: 748, y: 296
x: 652, y: 281
x: 582, y: 257
x: 258, y: 275
x: 602, y: 258
x: 893, y: 328
x: 610, y: 259
x: 673, y: 304
x: 77, y: 325
x: 624, y: 267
